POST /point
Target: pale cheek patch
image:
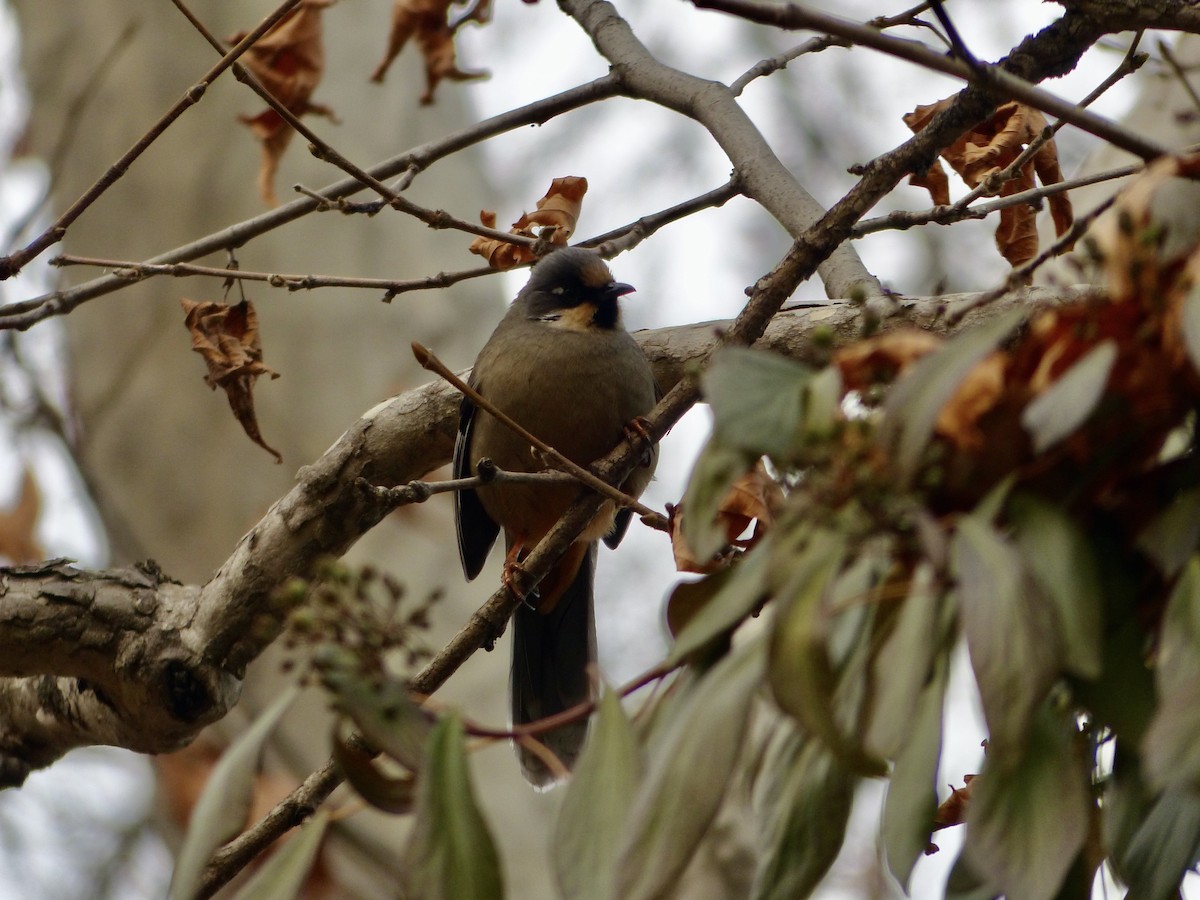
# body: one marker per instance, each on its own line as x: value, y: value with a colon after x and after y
x: 577, y: 318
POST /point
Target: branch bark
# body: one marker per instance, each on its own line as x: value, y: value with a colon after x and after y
x: 132, y: 659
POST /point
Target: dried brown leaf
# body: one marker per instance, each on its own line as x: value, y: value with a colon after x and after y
x: 558, y: 210
x: 427, y: 21
x: 18, y: 543
x: 752, y: 499
x: 289, y: 60
x: 228, y: 339
x: 879, y: 360
x: 989, y: 147
x: 977, y: 395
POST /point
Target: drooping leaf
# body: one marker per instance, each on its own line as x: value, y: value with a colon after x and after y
x: 738, y: 591
x: 1027, y: 821
x: 428, y: 22
x: 915, y: 402
x: 903, y: 665
x: 1063, y: 407
x: 387, y: 715
x: 757, y: 399
x: 808, y: 808
x: 1126, y: 804
x: 988, y: 147
x: 221, y: 811
x: 717, y: 468
x: 912, y: 802
x: 1171, y: 752
x: 1189, y: 325
x: 228, y: 339
x: 283, y: 875
x: 1165, y: 847
x: 689, y: 767
x: 1060, y: 559
x: 591, y: 821
x: 451, y: 853
x: 289, y: 61
x: 1011, y: 636
x: 752, y: 498
x: 1171, y: 537
x: 18, y: 537
x: 800, y: 671
x: 389, y: 793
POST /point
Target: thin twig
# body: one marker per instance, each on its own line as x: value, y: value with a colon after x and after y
x: 12, y: 264
x: 992, y: 78
x: 1165, y: 49
x: 946, y: 215
x: 27, y: 313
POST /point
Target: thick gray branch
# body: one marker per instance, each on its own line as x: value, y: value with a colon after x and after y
x: 131, y: 659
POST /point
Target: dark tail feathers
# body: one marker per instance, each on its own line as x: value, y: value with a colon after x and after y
x: 552, y: 654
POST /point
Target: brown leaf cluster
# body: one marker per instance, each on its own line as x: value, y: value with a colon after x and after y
x: 752, y: 500
x: 428, y: 22
x: 1151, y: 318
x: 289, y: 60
x: 985, y: 150
x: 228, y: 339
x: 558, y: 210
x: 18, y: 542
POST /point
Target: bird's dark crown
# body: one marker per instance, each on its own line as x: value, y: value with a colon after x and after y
x: 569, y: 278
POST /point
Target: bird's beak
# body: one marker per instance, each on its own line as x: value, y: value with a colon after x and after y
x: 618, y: 289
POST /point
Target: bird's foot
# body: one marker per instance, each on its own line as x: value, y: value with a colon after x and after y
x: 638, y: 429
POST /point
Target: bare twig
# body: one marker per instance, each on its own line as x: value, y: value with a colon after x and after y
x: 27, y: 313
x: 12, y: 264
x: 993, y: 78
x: 947, y: 215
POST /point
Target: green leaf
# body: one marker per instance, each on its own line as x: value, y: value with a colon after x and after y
x: 738, y: 592
x: 1060, y: 559
x: 902, y: 665
x: 384, y: 792
x: 1011, y: 636
x: 1165, y: 847
x: 807, y: 811
x: 283, y: 875
x: 757, y: 399
x: 914, y: 402
x: 800, y: 672
x: 1189, y: 321
x: 387, y: 716
x: 224, y: 804
x: 690, y: 765
x: 1125, y: 805
x: 912, y: 791
x: 591, y: 822
x: 450, y: 853
x: 717, y: 468
x: 1027, y: 822
x: 1065, y: 405
x: 823, y: 403
x: 1173, y: 535
x: 1171, y: 751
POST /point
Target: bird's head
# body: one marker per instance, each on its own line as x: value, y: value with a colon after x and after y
x: 573, y: 288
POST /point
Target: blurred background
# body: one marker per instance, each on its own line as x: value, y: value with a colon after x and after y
x: 132, y: 457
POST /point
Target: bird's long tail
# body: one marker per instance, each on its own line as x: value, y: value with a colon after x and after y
x: 552, y: 653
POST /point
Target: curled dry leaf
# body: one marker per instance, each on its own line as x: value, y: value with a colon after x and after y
x: 18, y: 543
x: 428, y: 21
x: 289, y: 60
x: 985, y: 150
x: 558, y: 210
x: 880, y: 359
x: 753, y: 499
x: 228, y: 339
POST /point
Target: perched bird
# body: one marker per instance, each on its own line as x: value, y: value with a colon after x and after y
x: 563, y: 366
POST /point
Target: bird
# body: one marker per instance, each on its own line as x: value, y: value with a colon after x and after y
x: 562, y: 365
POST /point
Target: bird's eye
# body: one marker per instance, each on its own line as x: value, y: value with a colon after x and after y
x: 558, y: 291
